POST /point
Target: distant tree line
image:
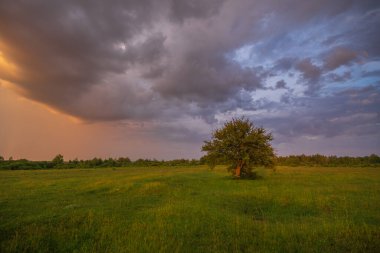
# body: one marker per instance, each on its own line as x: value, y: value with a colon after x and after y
x: 328, y: 161
x: 58, y: 162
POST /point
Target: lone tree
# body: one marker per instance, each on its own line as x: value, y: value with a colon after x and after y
x: 241, y: 145
x: 58, y: 159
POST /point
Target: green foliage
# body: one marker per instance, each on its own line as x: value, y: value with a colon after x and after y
x: 241, y: 145
x: 58, y: 160
x: 301, y: 160
x: 329, y: 161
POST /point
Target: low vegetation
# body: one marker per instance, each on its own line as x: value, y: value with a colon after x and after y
x: 293, y: 160
x: 59, y: 163
x: 190, y: 209
x: 329, y: 161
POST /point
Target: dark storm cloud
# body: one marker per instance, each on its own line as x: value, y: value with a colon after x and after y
x: 284, y: 64
x: 91, y: 59
x: 65, y: 48
x: 281, y: 84
x: 361, y: 32
x: 309, y: 71
x: 353, y: 112
x: 150, y: 60
x: 340, y: 56
x: 148, y: 51
x: 182, y: 10
x: 213, y: 80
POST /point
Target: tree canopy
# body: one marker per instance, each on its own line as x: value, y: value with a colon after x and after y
x: 242, y: 145
x: 58, y: 159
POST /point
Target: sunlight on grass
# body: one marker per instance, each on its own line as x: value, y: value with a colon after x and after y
x: 190, y: 210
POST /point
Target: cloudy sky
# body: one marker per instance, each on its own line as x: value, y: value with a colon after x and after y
x: 152, y: 79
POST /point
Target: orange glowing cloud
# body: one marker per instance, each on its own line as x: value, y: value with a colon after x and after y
x: 7, y: 68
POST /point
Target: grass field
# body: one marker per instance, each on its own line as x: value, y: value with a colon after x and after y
x: 190, y: 210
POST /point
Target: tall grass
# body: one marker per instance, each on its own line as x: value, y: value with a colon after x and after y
x: 190, y: 209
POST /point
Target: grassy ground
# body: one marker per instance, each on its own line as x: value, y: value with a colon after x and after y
x: 190, y: 210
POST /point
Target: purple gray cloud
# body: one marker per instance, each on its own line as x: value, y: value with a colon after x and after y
x: 166, y: 61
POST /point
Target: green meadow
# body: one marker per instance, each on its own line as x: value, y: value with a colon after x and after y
x: 190, y: 209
